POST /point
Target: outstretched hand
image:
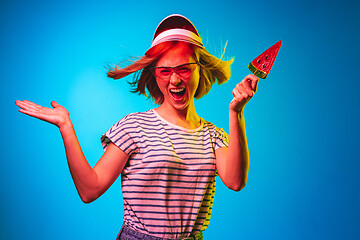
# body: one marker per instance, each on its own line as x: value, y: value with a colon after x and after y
x: 57, y: 115
x: 243, y: 92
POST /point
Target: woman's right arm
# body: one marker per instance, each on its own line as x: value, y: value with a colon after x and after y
x: 90, y: 182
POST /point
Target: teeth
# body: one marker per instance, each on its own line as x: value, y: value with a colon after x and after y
x: 177, y: 90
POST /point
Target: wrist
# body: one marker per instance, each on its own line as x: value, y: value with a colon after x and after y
x: 237, y: 117
x: 66, y: 126
x: 236, y: 113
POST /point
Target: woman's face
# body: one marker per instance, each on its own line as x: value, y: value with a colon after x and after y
x: 179, y: 91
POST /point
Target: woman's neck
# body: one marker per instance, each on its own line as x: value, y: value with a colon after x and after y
x: 186, y: 118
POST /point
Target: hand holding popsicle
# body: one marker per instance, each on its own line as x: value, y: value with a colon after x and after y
x: 260, y: 67
x: 243, y: 92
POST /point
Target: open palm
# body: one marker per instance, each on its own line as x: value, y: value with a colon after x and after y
x: 56, y: 115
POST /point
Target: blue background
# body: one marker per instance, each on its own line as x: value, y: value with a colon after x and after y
x: 302, y: 125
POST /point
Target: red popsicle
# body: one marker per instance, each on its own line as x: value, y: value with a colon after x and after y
x: 262, y: 65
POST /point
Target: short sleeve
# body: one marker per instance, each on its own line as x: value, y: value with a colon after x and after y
x: 221, y: 138
x: 120, y: 136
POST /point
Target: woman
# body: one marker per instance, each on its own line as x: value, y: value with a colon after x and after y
x: 168, y: 157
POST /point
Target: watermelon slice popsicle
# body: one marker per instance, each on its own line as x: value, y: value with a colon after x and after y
x: 262, y: 65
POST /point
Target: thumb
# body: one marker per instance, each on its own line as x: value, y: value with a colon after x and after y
x: 254, y: 84
x: 54, y: 104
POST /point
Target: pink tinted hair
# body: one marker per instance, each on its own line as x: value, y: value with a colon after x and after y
x: 212, y: 70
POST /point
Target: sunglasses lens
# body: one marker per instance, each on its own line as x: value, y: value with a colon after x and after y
x: 163, y: 72
x: 184, y: 71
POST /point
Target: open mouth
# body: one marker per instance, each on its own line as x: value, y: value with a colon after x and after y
x: 178, y: 93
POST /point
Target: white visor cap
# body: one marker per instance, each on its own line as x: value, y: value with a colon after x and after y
x: 176, y: 28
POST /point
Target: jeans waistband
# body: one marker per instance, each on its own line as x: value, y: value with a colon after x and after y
x: 127, y: 233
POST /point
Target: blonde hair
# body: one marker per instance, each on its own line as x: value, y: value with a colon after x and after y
x: 212, y: 70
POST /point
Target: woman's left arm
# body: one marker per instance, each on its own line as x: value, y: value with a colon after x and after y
x: 232, y: 163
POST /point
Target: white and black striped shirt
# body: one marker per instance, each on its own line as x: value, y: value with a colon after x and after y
x: 168, y: 183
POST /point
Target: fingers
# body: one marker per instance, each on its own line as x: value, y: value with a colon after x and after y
x: 30, y: 108
x: 29, y: 112
x: 246, y: 88
x: 252, y: 81
x: 27, y: 105
x: 240, y: 92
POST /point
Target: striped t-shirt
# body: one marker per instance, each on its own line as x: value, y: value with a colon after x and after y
x: 168, y: 183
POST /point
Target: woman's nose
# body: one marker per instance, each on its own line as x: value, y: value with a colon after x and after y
x: 175, y: 79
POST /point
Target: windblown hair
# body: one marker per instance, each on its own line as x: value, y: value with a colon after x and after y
x: 212, y: 70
